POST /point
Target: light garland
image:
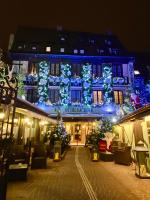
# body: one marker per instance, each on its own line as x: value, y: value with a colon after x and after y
x: 21, y: 89
x: 86, y: 84
x: 65, y: 84
x: 107, y: 84
x: 43, y: 81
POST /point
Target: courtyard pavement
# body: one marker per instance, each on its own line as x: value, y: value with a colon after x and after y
x: 78, y: 178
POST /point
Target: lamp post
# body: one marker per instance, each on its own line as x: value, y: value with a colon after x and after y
x: 8, y: 95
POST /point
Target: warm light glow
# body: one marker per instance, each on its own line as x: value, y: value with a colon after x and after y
x: 68, y: 127
x: 2, y: 115
x: 28, y: 121
x: 94, y: 123
x: 147, y: 118
x: 43, y: 122
x: 15, y: 120
x: 114, y: 120
x: 48, y: 49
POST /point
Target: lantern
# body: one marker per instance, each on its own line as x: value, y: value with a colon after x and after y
x: 57, y: 151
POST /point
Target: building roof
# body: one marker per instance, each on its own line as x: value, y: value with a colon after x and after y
x: 137, y: 114
x: 35, y: 40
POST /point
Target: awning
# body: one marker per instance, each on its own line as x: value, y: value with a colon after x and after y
x: 137, y: 114
x: 27, y: 108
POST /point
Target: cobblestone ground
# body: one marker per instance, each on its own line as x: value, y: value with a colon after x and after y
x: 80, y: 179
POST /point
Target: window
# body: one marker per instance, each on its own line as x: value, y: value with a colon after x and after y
x: 20, y: 47
x: 117, y: 70
x: 55, y: 69
x: 136, y: 72
x: 34, y: 48
x: 62, y: 39
x: 91, y: 41
x: 20, y: 67
x: 118, y: 97
x: 101, y: 51
x: 32, y: 95
x: 75, y: 51
x: 62, y: 50
x: 53, y: 95
x: 97, y: 70
x: 75, y: 96
x: 97, y: 97
x: 82, y: 51
x: 76, y: 69
x: 48, y: 49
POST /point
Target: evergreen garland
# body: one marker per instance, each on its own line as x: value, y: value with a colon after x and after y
x: 86, y: 84
x: 21, y: 89
x: 43, y: 81
x: 65, y: 84
x: 107, y: 83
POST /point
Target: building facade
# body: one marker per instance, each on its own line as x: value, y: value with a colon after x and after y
x: 73, y: 72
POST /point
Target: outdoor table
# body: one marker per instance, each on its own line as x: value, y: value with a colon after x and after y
x: 17, y: 172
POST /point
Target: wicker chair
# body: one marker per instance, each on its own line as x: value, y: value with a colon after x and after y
x: 39, y: 157
x: 19, y: 155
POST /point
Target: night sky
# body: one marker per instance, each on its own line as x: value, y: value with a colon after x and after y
x: 129, y: 20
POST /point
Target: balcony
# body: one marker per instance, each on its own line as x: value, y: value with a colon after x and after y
x: 32, y: 80
x: 80, y: 110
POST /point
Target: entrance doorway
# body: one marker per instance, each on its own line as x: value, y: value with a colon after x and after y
x: 78, y: 131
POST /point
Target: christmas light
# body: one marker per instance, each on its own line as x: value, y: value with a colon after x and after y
x: 86, y: 84
x: 43, y: 81
x: 65, y: 84
x: 107, y: 83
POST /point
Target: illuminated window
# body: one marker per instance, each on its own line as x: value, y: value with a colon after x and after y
x: 136, y: 72
x: 97, y: 97
x: 75, y: 51
x: 20, y: 47
x: 62, y: 39
x: 34, y: 48
x: 62, y: 50
x: 118, y: 97
x: 48, y: 49
x: 82, y: 51
x: 55, y: 69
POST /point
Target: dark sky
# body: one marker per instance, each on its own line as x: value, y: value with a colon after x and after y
x: 129, y: 19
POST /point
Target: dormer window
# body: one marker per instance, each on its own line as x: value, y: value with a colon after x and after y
x: 91, y: 41
x: 19, y: 47
x: 108, y: 42
x: 34, y: 48
x: 48, y: 49
x: 75, y: 51
x: 62, y: 39
x: 82, y: 51
x: 62, y: 50
x: 136, y: 72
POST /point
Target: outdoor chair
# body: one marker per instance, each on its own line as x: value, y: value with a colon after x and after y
x: 19, y: 155
x: 39, y: 157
